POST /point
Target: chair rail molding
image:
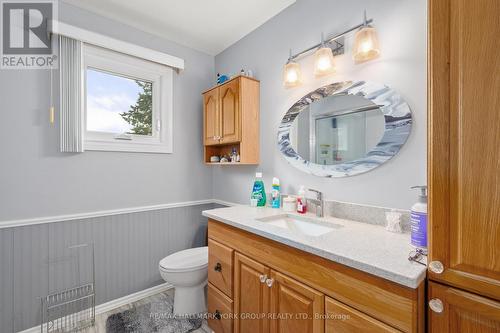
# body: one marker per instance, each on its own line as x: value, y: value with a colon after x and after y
x: 69, y: 217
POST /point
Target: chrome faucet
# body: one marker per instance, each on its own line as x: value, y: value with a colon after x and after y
x: 318, y: 202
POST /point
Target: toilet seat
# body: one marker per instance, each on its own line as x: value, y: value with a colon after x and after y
x: 186, y: 260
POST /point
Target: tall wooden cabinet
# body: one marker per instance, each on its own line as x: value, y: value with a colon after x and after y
x: 231, y: 120
x: 464, y: 165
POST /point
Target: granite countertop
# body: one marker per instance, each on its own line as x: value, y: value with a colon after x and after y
x: 369, y: 248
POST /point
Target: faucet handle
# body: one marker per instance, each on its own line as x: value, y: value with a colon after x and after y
x: 319, y: 194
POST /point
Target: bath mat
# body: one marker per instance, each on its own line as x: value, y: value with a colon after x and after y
x: 152, y: 317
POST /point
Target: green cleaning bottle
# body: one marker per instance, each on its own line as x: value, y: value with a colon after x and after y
x: 259, y: 192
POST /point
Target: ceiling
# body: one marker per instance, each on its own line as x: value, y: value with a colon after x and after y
x: 205, y: 25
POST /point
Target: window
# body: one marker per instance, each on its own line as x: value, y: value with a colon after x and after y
x: 127, y: 103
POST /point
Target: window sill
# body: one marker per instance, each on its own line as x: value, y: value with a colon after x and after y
x: 127, y: 146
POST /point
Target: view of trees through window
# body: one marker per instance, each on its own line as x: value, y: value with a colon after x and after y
x: 118, y: 104
x: 140, y: 115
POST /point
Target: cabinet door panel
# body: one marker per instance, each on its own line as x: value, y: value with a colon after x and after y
x: 462, y: 312
x: 251, y: 296
x: 464, y: 150
x: 230, y: 112
x: 295, y: 307
x: 344, y: 319
x: 211, y: 117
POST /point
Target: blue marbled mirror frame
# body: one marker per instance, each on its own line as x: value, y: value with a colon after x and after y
x: 398, y: 122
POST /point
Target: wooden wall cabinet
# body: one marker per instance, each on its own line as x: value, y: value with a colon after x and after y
x: 272, y: 293
x: 231, y: 120
x: 464, y: 164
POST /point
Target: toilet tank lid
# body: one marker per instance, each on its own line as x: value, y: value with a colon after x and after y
x: 186, y: 259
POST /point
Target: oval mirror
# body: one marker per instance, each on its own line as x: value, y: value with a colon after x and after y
x: 344, y: 129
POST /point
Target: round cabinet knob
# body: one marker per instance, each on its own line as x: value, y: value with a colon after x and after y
x: 218, y: 267
x: 263, y: 278
x: 436, y: 305
x: 436, y: 267
x: 217, y: 315
x: 269, y: 282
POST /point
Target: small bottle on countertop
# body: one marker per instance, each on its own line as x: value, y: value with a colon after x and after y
x: 418, y: 220
x: 258, y: 191
x: 275, y: 193
x: 301, y: 200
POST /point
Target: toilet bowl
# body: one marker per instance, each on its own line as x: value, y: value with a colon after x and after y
x: 187, y: 271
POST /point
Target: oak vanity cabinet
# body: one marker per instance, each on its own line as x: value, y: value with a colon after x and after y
x: 231, y: 119
x: 272, y: 288
x: 463, y: 167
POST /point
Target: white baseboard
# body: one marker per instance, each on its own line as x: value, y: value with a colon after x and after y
x: 116, y: 303
x: 205, y: 327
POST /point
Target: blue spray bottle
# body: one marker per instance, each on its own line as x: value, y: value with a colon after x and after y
x: 275, y: 193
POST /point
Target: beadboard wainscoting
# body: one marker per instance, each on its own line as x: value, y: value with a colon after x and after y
x: 128, y: 248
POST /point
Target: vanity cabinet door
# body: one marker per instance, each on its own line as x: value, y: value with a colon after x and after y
x: 341, y: 318
x: 211, y: 117
x: 295, y: 307
x: 251, y: 295
x: 464, y: 136
x: 454, y: 311
x: 229, y: 112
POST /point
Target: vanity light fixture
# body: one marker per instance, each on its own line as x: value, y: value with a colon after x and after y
x: 366, y: 47
x: 323, y: 60
x: 292, y: 75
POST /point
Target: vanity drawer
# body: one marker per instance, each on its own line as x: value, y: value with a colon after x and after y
x: 220, y: 267
x: 344, y: 319
x: 220, y: 308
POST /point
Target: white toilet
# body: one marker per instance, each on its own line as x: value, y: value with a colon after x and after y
x: 187, y: 271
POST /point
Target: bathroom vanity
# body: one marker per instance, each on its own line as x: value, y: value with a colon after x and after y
x: 270, y: 271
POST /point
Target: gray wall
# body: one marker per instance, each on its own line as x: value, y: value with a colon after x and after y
x: 37, y: 180
x: 402, y: 32
x: 128, y: 248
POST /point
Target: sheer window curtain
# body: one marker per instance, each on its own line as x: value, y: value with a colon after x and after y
x: 71, y: 95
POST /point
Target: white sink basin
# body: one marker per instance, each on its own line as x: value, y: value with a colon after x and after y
x: 301, y: 225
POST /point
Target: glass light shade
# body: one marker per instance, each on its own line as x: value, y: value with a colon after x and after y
x: 323, y: 62
x: 366, y: 46
x: 292, y: 76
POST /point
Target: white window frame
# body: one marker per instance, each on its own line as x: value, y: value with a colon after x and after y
x: 161, y: 140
